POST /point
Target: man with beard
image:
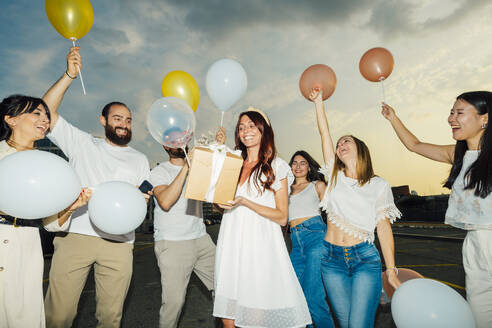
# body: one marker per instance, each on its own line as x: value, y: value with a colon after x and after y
x: 95, y: 160
x: 182, y: 245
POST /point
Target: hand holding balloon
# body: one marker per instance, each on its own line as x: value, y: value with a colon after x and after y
x: 74, y: 62
x: 84, y: 197
x: 320, y: 77
x: 316, y: 95
x: 388, y: 112
x: 220, y: 136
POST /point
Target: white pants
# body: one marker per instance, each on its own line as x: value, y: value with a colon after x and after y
x: 477, y: 261
x: 21, y: 278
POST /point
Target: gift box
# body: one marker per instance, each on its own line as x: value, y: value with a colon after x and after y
x: 214, y: 174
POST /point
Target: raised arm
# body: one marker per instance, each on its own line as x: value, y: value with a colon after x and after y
x: 440, y: 153
x: 326, y: 142
x: 54, y: 95
x: 167, y: 195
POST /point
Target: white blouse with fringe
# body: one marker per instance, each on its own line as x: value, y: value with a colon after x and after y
x: 355, y: 209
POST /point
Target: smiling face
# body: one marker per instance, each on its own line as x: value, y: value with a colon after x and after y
x: 118, y: 126
x: 465, y: 121
x: 300, y: 167
x: 346, y: 149
x: 31, y: 126
x: 249, y: 134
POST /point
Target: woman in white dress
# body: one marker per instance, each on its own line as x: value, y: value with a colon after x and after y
x: 470, y: 181
x: 23, y: 120
x: 255, y: 283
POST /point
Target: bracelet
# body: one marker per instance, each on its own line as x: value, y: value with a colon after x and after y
x: 73, y: 78
x: 393, y: 268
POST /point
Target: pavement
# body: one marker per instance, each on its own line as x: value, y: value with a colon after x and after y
x: 433, y: 250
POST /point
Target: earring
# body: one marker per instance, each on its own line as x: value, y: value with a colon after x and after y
x: 484, y: 125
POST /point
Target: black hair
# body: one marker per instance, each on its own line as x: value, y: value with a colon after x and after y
x: 16, y: 105
x: 480, y: 172
x: 107, y: 107
x: 313, y: 172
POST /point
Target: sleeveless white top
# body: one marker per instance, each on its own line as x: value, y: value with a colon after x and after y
x: 358, y: 209
x: 465, y: 210
x: 304, y: 204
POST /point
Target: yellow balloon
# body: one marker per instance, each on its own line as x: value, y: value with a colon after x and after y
x: 181, y: 85
x: 71, y: 18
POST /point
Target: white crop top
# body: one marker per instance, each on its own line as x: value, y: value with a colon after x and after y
x: 304, y: 204
x: 465, y: 210
x: 358, y: 209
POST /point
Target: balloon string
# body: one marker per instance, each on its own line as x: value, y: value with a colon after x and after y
x: 187, y: 158
x: 80, y: 73
x: 382, y: 88
x: 222, y: 119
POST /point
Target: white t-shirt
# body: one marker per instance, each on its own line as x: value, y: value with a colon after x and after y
x: 96, y: 161
x: 184, y: 220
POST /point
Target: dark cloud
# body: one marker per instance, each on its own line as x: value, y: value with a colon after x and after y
x: 219, y: 18
x: 394, y: 18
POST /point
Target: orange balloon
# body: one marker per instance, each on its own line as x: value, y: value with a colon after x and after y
x: 403, y: 275
x: 376, y: 64
x: 318, y: 76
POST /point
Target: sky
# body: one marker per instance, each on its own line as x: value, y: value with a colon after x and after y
x: 440, y: 48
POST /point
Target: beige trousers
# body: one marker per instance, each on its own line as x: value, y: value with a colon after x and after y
x: 21, y: 278
x: 477, y: 261
x: 73, y: 258
x: 177, y: 260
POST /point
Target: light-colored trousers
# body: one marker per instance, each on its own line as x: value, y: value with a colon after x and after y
x: 21, y: 278
x: 477, y: 261
x: 177, y: 260
x: 72, y: 260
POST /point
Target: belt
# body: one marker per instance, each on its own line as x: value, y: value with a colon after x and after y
x: 10, y: 220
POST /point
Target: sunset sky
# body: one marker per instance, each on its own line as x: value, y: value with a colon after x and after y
x: 441, y: 49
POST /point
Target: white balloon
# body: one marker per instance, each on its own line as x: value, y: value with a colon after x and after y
x: 171, y: 122
x: 426, y: 303
x: 226, y: 83
x: 35, y: 184
x: 117, y: 207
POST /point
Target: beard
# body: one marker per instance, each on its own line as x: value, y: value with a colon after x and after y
x: 176, y: 152
x: 112, y: 136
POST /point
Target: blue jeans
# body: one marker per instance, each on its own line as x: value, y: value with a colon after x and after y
x: 307, y: 247
x: 352, y: 278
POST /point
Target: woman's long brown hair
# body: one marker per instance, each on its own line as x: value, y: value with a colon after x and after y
x: 363, y: 167
x: 266, y: 154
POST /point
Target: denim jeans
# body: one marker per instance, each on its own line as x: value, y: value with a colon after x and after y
x: 352, y: 278
x: 307, y: 247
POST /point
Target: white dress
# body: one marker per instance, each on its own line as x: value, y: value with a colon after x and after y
x: 255, y: 283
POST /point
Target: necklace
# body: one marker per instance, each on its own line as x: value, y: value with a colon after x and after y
x: 17, y: 146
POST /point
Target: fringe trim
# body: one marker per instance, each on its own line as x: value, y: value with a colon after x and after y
x: 348, y: 228
x: 327, y: 169
x: 389, y: 211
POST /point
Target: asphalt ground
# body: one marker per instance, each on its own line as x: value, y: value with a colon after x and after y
x: 433, y: 250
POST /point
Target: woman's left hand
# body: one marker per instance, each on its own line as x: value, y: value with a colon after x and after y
x: 393, y: 278
x: 233, y: 203
x: 84, y: 197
